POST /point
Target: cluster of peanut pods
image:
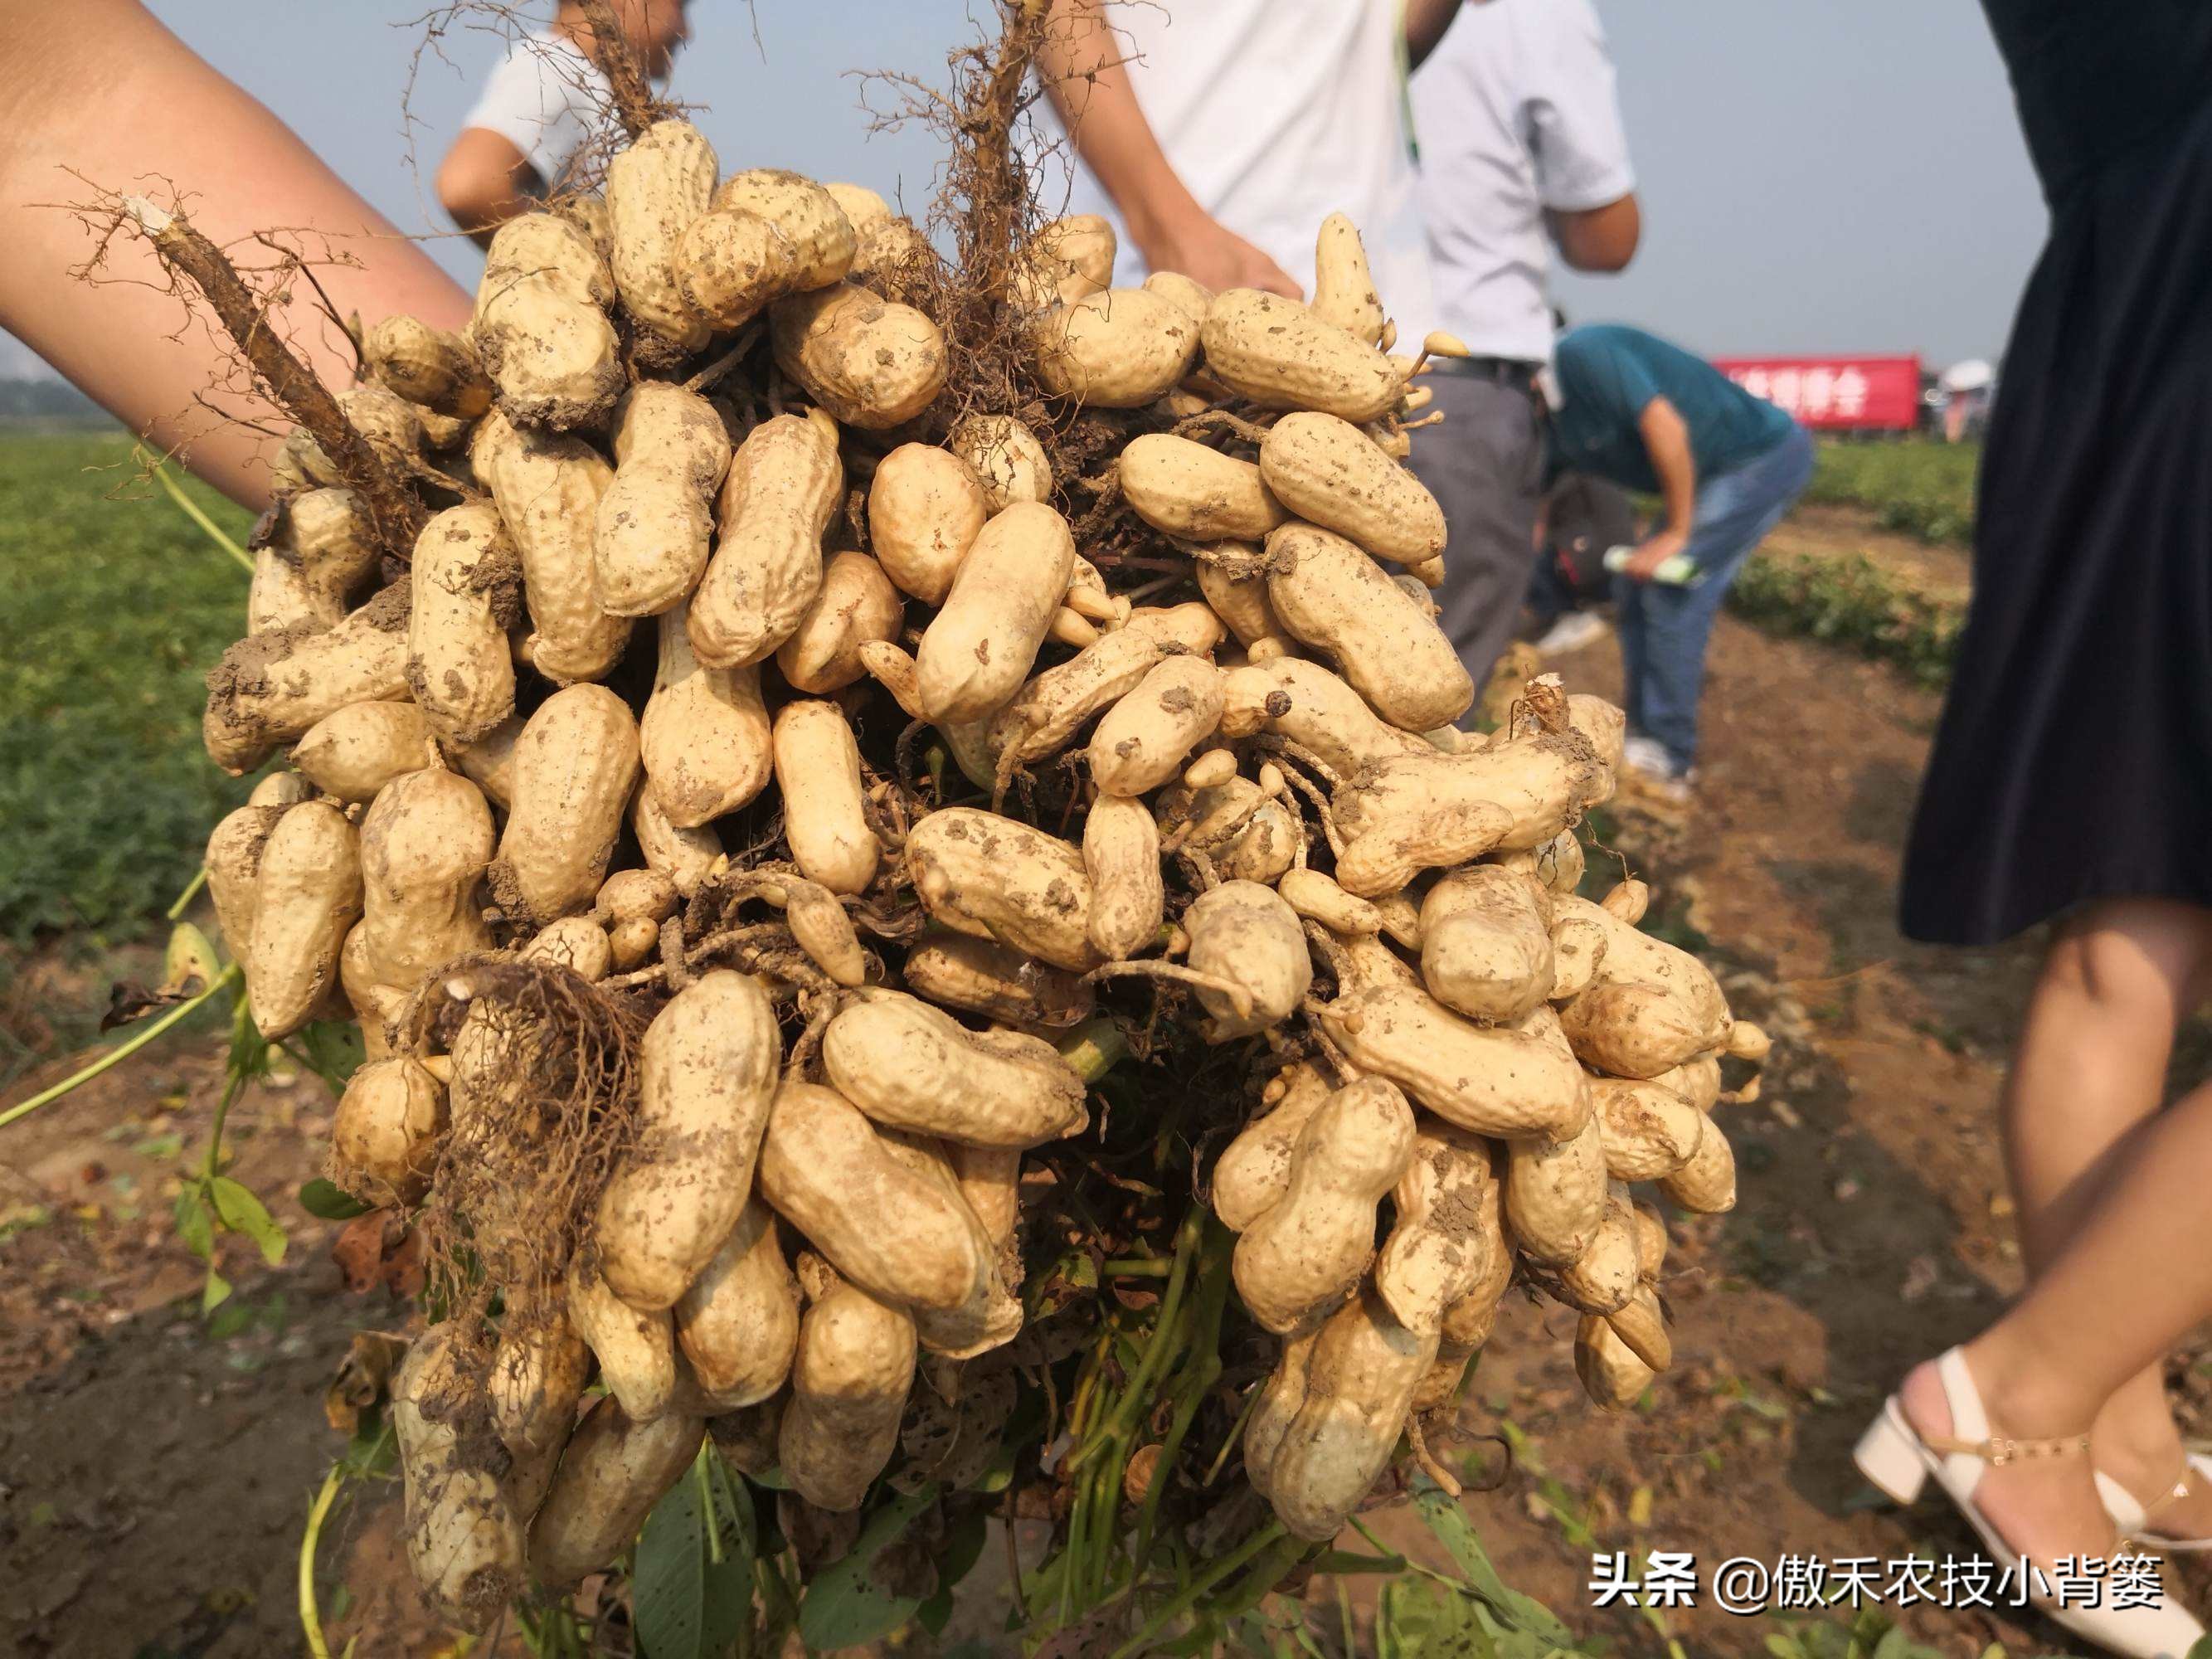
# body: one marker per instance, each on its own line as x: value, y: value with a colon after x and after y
x: 1259, y: 803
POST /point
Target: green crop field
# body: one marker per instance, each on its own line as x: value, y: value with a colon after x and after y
x: 1915, y: 488
x: 118, y: 606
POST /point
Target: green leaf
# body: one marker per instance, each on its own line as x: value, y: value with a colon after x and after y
x: 195, y: 1224
x: 242, y: 1212
x: 687, y: 1605
x: 215, y: 1292
x: 229, y: 1319
x: 190, y: 957
x: 328, y: 1202
x: 844, y: 1605
x: 334, y: 1050
x: 1456, y: 1533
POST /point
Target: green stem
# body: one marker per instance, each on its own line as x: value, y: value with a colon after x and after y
x: 1094, y: 1048
x: 190, y: 892
x: 310, y: 1618
x: 121, y: 1052
x: 1201, y: 1587
x: 705, y: 1478
x: 1139, y: 1267
x: 193, y: 511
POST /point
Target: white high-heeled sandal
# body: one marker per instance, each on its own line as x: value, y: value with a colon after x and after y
x: 1897, y: 1458
x: 2134, y: 1518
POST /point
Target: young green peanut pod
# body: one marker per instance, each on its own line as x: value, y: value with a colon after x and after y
x: 1122, y: 856
x: 616, y: 1469
x: 1612, y: 1373
x: 538, y: 1375
x: 818, y: 768
x: 427, y: 365
x: 1445, y: 1244
x: 323, y: 551
x: 731, y: 263
x: 1555, y: 1194
x: 1329, y: 594
x: 1316, y: 897
x: 1515, y: 1082
x: 1254, y: 1170
x: 1306, y: 1254
x: 991, y: 1315
x: 891, y: 1231
x: 635, y: 1349
x: 1120, y: 349
x: 978, y: 649
x: 1005, y: 457
x: 996, y: 981
x: 811, y: 218
x: 353, y: 752
x: 995, y: 878
x: 574, y: 766
x: 1291, y: 697
x: 737, y: 1322
x: 1330, y: 473
x: 1344, y: 289
x: 914, y: 1067
x: 818, y: 922
x: 306, y: 896
x: 1706, y: 1184
x: 871, y: 362
x: 857, y: 605
x: 1241, y: 601
x: 233, y: 866
x: 465, y: 1537
x: 1604, y: 1276
x: 1142, y: 741
x: 1244, y: 935
x: 704, y: 737
x: 1280, y: 1398
x: 384, y: 1139
x: 541, y: 325
x: 1067, y: 259
x: 1280, y: 355
x: 269, y: 688
x: 466, y: 591
x: 655, y: 189
x: 1649, y: 1132
x: 1485, y: 943
x: 1360, y: 1381
x: 1187, y: 294
x: 848, y: 1386
x: 1648, y: 1007
x: 1194, y: 494
x: 708, y: 1070
x: 1048, y: 709
x: 784, y: 486
x: 548, y: 487
x: 1415, y: 813
x: 925, y: 505
x: 653, y: 530
x: 688, y: 858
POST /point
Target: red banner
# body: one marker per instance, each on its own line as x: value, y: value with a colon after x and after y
x: 1834, y: 393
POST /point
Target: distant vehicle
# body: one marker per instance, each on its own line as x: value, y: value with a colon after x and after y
x: 1867, y: 394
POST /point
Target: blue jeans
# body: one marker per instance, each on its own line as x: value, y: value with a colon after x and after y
x: 1663, y: 628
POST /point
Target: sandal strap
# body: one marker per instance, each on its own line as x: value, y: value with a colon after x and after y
x: 2172, y: 1495
x: 2000, y: 1449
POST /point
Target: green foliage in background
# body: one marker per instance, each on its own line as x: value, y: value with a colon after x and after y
x: 1851, y: 601
x: 118, y: 606
x: 1914, y: 488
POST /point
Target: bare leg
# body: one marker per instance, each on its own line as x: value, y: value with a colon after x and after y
x: 2089, y: 1071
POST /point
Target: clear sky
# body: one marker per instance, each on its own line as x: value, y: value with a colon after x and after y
x: 1817, y: 175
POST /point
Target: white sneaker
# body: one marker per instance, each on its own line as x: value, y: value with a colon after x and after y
x: 1571, y: 632
x: 1647, y: 756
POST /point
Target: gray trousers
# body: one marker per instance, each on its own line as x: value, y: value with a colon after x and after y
x: 1485, y: 465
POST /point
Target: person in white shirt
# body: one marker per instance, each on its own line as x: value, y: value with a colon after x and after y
x: 545, y: 102
x: 1521, y: 151
x: 1217, y: 135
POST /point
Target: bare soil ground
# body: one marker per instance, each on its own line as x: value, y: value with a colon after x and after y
x: 154, y: 1480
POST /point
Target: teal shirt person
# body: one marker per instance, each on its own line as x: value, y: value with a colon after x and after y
x: 1608, y: 375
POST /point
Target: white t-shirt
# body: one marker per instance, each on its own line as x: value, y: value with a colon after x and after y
x: 1515, y: 113
x: 1276, y: 113
x: 547, y: 100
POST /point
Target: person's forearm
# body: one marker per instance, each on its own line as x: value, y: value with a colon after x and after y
x: 1080, y: 65
x: 101, y: 88
x: 1666, y: 441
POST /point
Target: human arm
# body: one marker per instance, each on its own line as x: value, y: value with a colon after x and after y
x: 1426, y: 23
x: 101, y: 88
x: 1581, y: 144
x: 484, y: 181
x: 1085, y: 76
x: 1666, y: 441
x: 1599, y: 240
